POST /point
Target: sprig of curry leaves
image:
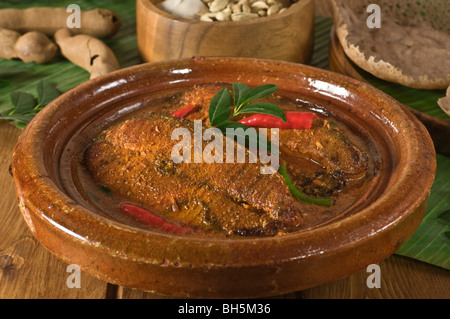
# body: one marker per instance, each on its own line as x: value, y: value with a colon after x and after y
x: 25, y: 106
x: 242, y: 100
x: 226, y: 105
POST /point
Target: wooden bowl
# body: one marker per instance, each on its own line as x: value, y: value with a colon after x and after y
x: 61, y: 217
x: 285, y: 36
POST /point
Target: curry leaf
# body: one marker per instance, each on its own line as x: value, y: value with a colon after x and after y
x: 46, y: 93
x: 25, y: 118
x: 23, y: 102
x: 240, y: 91
x: 264, y: 108
x: 220, y: 112
x: 239, y: 132
x: 246, y: 136
x: 220, y: 107
x: 20, y: 124
x: 25, y: 106
x: 259, y: 92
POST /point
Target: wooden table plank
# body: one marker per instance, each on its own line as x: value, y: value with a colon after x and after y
x: 401, y: 278
x: 27, y: 269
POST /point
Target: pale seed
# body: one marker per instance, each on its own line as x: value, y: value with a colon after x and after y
x: 208, y: 17
x: 273, y: 9
x: 218, y: 5
x: 224, y: 15
x: 262, y: 13
x: 236, y: 8
x: 258, y: 5
x: 246, y: 8
x: 240, y: 16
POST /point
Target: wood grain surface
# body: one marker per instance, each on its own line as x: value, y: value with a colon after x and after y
x: 29, y: 271
x: 286, y: 37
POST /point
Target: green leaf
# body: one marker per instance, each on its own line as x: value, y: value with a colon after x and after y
x: 260, y: 92
x: 445, y: 216
x: 220, y: 107
x: 4, y: 83
x: 428, y: 243
x: 296, y: 193
x: 46, y: 93
x: 23, y: 102
x: 241, y: 134
x: 446, y: 235
x: 8, y: 71
x: 20, y: 124
x: 5, y: 110
x: 246, y: 139
x: 264, y: 108
x: 240, y: 91
x: 19, y: 117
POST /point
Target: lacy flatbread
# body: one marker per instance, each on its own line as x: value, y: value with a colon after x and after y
x: 411, y: 47
x: 444, y: 102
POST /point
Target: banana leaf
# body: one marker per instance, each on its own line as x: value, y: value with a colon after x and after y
x: 431, y: 241
x: 63, y: 74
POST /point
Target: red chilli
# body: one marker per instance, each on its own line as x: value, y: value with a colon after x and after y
x: 185, y: 111
x: 294, y: 120
x: 149, y: 218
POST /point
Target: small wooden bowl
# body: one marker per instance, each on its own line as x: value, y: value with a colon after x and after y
x: 286, y: 36
x: 60, y: 215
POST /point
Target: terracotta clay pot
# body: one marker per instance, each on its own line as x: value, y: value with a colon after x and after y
x: 60, y: 217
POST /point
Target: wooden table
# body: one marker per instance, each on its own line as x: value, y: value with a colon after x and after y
x: 29, y: 271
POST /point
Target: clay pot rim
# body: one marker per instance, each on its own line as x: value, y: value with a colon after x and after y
x: 361, y: 227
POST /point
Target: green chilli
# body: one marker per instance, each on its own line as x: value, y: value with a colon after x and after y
x: 298, y: 194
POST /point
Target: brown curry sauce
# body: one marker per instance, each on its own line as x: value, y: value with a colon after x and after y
x: 332, y: 159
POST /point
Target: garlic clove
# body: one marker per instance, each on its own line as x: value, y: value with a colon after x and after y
x: 187, y: 9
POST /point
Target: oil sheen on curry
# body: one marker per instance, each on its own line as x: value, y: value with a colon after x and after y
x: 325, y: 168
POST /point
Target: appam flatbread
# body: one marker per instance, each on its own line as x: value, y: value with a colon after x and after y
x: 411, y: 47
x: 444, y: 102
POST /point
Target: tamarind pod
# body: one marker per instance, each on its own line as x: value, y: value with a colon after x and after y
x: 99, y: 23
x: 30, y: 47
x: 36, y: 47
x: 8, y: 39
x: 88, y: 52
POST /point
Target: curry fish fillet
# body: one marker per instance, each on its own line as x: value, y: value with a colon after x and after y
x: 320, y: 160
x: 134, y: 160
x: 335, y: 159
